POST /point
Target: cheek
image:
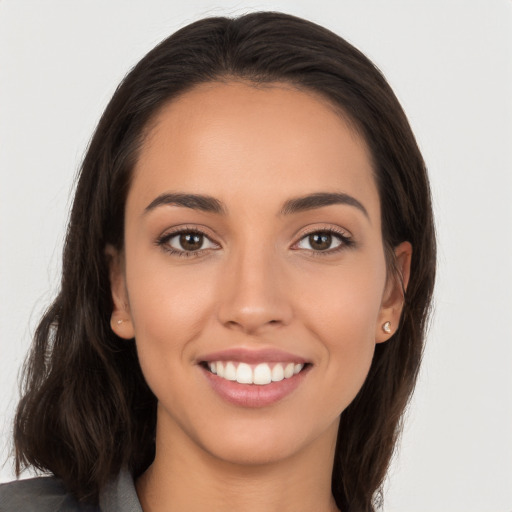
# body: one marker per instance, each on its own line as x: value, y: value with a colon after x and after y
x: 163, y: 294
x: 169, y: 307
x: 169, y: 310
x: 342, y: 313
x: 344, y: 301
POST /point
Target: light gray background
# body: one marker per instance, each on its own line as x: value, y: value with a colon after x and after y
x: 450, y: 63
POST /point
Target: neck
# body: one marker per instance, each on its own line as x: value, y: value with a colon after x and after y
x: 185, y: 477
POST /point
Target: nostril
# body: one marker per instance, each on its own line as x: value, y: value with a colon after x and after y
x: 252, y: 322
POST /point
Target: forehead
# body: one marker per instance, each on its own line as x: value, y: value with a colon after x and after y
x: 232, y: 138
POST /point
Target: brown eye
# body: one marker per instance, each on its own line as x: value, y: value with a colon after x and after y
x: 320, y: 241
x: 189, y: 241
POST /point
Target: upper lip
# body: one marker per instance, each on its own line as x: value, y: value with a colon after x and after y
x: 252, y: 356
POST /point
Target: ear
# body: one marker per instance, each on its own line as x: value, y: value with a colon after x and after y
x: 121, y: 320
x: 393, y: 297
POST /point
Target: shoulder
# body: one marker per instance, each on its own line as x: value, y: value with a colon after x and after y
x: 44, y: 494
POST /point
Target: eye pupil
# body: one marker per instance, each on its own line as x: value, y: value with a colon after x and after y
x: 191, y: 241
x: 320, y: 241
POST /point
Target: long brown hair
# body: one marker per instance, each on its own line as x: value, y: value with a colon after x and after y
x: 86, y: 410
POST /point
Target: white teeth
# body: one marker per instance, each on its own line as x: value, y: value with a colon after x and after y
x: 230, y: 371
x: 261, y: 374
x: 288, y: 371
x: 277, y: 373
x: 244, y: 374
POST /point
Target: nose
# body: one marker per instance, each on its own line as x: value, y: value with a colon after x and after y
x: 253, y: 294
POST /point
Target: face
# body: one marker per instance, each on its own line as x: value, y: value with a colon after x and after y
x: 253, y: 276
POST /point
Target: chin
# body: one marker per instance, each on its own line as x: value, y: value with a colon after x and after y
x: 267, y: 443
x: 254, y: 453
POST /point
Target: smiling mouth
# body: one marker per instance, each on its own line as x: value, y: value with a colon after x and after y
x: 259, y: 374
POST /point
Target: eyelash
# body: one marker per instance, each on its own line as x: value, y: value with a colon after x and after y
x: 346, y: 241
x: 163, y: 242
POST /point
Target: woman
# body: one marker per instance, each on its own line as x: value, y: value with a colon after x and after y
x: 247, y: 276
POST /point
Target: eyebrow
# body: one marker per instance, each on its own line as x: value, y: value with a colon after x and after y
x: 320, y: 199
x: 194, y: 201
x: 209, y: 204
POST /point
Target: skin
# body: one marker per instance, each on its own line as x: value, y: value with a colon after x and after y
x: 257, y: 283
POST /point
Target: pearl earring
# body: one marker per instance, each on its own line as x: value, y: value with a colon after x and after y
x: 119, y: 322
x: 386, y: 327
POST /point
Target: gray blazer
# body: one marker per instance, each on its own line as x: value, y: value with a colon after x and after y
x: 47, y: 494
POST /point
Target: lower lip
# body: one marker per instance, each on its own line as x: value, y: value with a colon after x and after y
x: 253, y: 395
